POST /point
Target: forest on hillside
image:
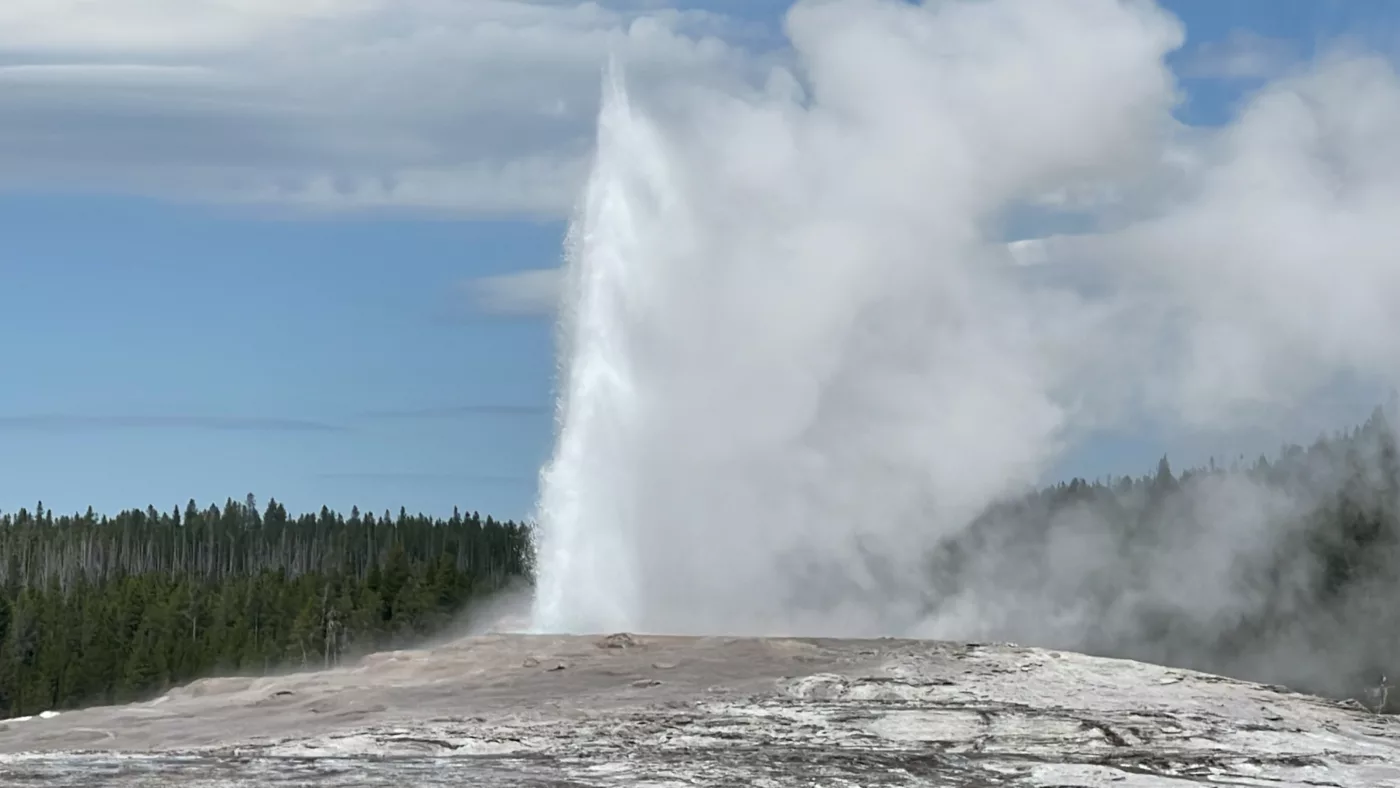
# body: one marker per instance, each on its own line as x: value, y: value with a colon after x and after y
x: 1283, y: 570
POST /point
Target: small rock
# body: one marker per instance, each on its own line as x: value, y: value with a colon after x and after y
x: 663, y: 665
x: 530, y: 662
x: 559, y: 666
x: 618, y: 640
x: 646, y: 683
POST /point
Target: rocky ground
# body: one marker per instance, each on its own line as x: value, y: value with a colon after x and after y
x: 512, y: 710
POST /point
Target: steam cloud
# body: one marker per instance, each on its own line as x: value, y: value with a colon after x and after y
x: 798, y: 353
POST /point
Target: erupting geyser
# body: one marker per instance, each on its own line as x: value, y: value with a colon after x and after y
x: 796, y: 352
x: 792, y: 357
x: 585, y: 581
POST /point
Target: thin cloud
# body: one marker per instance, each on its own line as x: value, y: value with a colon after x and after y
x: 337, y: 106
x: 533, y: 292
x: 111, y: 74
x: 455, y: 411
x: 1243, y: 54
x: 67, y: 422
x: 413, y: 476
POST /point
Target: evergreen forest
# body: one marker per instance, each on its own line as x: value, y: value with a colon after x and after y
x: 1281, y: 569
x: 97, y: 610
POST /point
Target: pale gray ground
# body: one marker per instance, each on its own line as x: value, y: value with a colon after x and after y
x: 637, y: 711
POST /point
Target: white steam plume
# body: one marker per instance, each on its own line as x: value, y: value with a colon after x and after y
x: 797, y: 354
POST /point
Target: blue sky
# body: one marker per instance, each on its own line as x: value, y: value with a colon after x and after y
x: 231, y: 267
x: 167, y: 350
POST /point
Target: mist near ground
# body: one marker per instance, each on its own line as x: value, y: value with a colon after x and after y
x: 503, y: 611
x: 1280, y: 570
x: 804, y: 348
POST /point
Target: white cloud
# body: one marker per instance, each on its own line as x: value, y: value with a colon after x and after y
x: 478, y: 107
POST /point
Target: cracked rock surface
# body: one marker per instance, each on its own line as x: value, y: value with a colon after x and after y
x: 630, y: 710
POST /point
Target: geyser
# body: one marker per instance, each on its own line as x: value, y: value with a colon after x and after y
x: 793, y: 358
x: 796, y: 352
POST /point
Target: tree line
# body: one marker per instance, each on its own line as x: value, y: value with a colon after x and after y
x: 97, y: 609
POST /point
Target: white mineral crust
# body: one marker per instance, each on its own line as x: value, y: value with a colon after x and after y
x: 660, y: 711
